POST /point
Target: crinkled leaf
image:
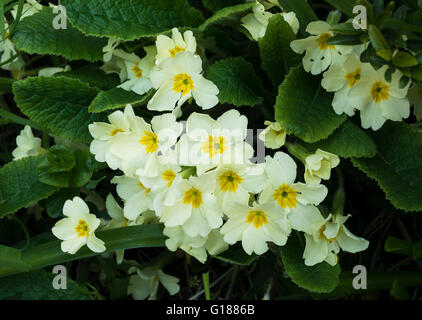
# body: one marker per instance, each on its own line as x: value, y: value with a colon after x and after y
x: 397, y: 167
x: 215, y: 5
x: 237, y: 82
x: 94, y: 76
x: 321, y: 278
x: 38, y: 285
x: 36, y: 34
x: 276, y: 55
x: 130, y: 20
x: 117, y: 98
x: 303, y: 107
x: 59, y: 104
x: 20, y: 186
x: 348, y: 141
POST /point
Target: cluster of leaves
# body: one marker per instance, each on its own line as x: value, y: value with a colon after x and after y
x: 266, y: 75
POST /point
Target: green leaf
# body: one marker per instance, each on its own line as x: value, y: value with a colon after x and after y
x: 38, y: 285
x: 35, y: 34
x: 59, y: 104
x: 130, y: 20
x: 236, y: 255
x: 117, y: 98
x: 53, y: 171
x: 321, y: 278
x: 215, y: 5
x: 404, y: 59
x: 345, y: 39
x: 348, y: 141
x: 93, y: 76
x: 237, y: 82
x: 20, y: 185
x: 276, y: 55
x: 49, y: 253
x: 302, y: 9
x: 398, y: 165
x: 11, y: 259
x: 345, y: 6
x: 396, y: 245
x: 226, y: 13
x: 377, y: 39
x: 308, y: 116
x: 399, y: 292
x: 345, y: 28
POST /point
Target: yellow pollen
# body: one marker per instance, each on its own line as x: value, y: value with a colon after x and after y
x: 193, y: 196
x: 257, y: 217
x: 147, y: 190
x: 82, y: 228
x: 150, y: 141
x: 6, y: 35
x: 214, y: 145
x: 380, y: 91
x: 322, y: 41
x: 285, y: 196
x: 322, y: 235
x: 137, y: 71
x: 182, y: 83
x: 353, y: 77
x: 115, y: 131
x: 229, y: 181
x: 168, y: 176
x: 125, y: 223
x: 175, y: 51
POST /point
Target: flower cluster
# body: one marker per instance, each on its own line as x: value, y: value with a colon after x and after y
x: 357, y: 85
x: 198, y: 179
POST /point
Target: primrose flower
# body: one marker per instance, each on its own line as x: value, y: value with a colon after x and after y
x: 27, y: 144
x: 236, y: 182
x: 78, y: 228
x: 109, y: 49
x: 117, y: 63
x: 318, y: 166
x: 273, y: 135
x: 415, y: 98
x: 170, y: 47
x: 297, y: 198
x: 255, y: 226
x: 136, y: 196
x: 209, y: 143
x: 177, y: 80
x: 144, y: 283
x: 196, y: 209
x: 380, y: 100
x: 319, y: 54
x: 105, y: 135
x: 140, y: 148
x: 51, y: 71
x: 198, y: 246
x: 138, y: 72
x: 341, y: 78
x: 326, y: 236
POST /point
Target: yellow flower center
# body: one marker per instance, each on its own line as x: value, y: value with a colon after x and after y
x: 137, y: 71
x: 6, y: 35
x: 214, y: 145
x: 115, y: 131
x: 285, y: 196
x: 322, y: 235
x: 229, y: 181
x: 147, y: 190
x: 182, y: 83
x: 82, y: 229
x: 125, y: 223
x: 168, y: 176
x: 150, y: 141
x: 193, y: 196
x: 175, y: 51
x: 353, y: 77
x: 380, y: 91
x: 322, y: 41
x: 257, y: 217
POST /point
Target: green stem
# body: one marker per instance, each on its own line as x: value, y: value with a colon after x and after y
x: 206, y: 279
x: 25, y: 231
x: 339, y: 197
x: 298, y: 151
x: 10, y: 59
x: 19, y: 120
x: 18, y: 16
x: 50, y: 253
